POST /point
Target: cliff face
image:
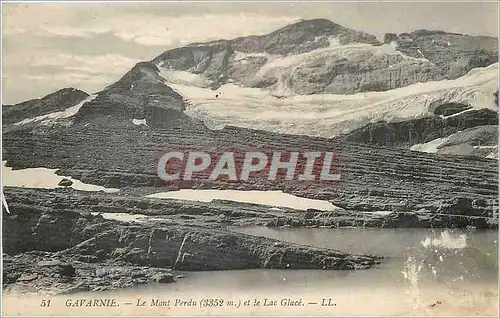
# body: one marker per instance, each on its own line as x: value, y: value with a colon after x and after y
x: 415, y: 131
x: 62, y: 248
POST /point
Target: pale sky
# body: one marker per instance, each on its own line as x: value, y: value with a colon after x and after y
x: 48, y: 46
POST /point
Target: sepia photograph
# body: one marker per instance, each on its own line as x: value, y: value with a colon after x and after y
x: 249, y: 158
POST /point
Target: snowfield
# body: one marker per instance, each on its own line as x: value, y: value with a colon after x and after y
x: 326, y: 115
x: 429, y: 147
x: 271, y: 198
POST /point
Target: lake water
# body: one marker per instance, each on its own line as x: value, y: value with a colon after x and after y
x: 427, y: 272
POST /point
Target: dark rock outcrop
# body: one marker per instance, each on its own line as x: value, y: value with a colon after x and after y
x: 414, y: 131
x: 65, y: 183
x: 450, y: 109
x: 479, y: 141
x: 163, y: 246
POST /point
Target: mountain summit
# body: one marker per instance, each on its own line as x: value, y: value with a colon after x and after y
x: 319, y: 56
x: 301, y: 37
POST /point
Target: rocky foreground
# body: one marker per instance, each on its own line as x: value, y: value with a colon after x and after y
x: 54, y: 244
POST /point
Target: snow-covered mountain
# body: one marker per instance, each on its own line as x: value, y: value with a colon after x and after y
x: 313, y: 78
x: 308, y: 84
x: 331, y: 84
x: 319, y: 56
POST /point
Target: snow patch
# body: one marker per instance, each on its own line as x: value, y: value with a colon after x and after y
x: 485, y: 147
x: 270, y: 198
x: 411, y: 274
x: 492, y: 155
x: 124, y: 217
x: 429, y: 147
x: 238, y: 56
x: 139, y: 122
x: 43, y: 178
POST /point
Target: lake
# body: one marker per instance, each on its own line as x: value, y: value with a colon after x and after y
x: 426, y: 272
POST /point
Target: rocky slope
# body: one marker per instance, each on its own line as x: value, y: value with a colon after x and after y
x: 57, y: 101
x: 122, y: 158
x: 454, y: 54
x: 141, y: 95
x: 115, y: 139
x: 480, y: 141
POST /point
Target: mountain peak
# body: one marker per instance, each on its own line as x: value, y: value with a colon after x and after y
x: 315, y: 25
x: 140, y: 94
x: 53, y: 102
x: 141, y: 72
x: 61, y: 93
x: 302, y: 36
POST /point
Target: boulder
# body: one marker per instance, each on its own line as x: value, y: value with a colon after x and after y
x: 58, y: 267
x: 65, y: 183
x: 164, y: 278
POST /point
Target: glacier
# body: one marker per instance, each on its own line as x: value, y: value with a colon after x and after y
x: 326, y: 115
